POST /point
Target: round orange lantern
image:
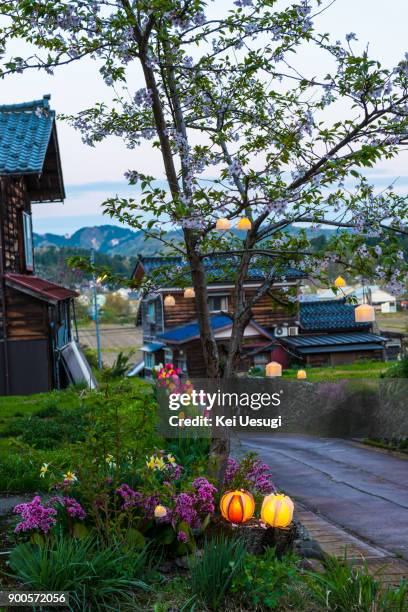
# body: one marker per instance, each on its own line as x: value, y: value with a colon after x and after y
x: 277, y: 510
x: 244, y: 224
x: 301, y: 374
x: 237, y: 506
x: 340, y: 282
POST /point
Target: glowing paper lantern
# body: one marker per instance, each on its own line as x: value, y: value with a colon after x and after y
x: 244, y: 224
x: 273, y: 369
x: 169, y: 300
x: 340, y: 282
x: 160, y: 511
x: 301, y: 374
x: 364, y: 313
x: 277, y: 510
x: 223, y: 224
x: 189, y: 292
x: 237, y: 506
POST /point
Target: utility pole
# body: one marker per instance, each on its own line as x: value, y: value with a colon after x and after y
x: 96, y: 312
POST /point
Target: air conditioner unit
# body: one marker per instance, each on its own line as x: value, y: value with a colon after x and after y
x: 280, y: 331
x: 293, y: 331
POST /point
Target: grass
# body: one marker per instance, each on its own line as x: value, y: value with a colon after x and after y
x: 393, y: 321
x: 358, y: 370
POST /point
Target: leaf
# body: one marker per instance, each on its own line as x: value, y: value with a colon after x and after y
x: 80, y: 531
x: 166, y: 536
x: 135, y: 539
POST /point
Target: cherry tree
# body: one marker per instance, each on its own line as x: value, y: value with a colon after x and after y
x: 244, y: 134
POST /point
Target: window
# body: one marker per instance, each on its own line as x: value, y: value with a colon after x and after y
x: 216, y: 303
x: 149, y: 360
x: 182, y: 362
x: 28, y: 242
x: 168, y: 355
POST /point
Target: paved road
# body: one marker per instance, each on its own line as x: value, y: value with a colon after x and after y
x: 362, y: 490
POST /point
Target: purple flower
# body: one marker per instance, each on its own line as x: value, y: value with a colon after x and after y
x: 182, y: 536
x: 74, y: 508
x: 35, y: 516
x: 232, y: 469
x: 129, y: 496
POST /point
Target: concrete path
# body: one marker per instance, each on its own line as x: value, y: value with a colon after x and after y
x: 359, y: 489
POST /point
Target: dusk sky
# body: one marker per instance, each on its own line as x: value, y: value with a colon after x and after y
x: 93, y: 174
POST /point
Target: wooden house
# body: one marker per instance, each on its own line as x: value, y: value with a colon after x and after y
x: 35, y: 315
x: 171, y: 333
x: 329, y: 335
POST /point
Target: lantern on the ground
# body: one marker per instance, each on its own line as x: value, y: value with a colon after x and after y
x: 277, y: 510
x: 301, y: 374
x: 223, y: 224
x: 237, y: 506
x: 273, y: 369
x: 169, y: 300
x: 244, y: 224
x: 340, y: 282
x: 364, y: 313
x: 189, y: 292
x: 160, y: 511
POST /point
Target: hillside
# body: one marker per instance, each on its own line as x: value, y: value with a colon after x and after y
x: 108, y: 239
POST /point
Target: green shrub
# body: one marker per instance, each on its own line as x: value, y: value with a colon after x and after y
x: 213, y: 573
x: 398, y: 370
x: 395, y: 600
x: 95, y: 577
x: 266, y: 579
x: 119, y: 368
x: 343, y: 587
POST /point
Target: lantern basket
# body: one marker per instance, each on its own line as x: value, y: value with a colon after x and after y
x: 256, y: 536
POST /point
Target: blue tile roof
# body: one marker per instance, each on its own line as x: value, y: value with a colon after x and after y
x: 25, y: 131
x: 218, y: 267
x: 184, y: 333
x: 328, y: 315
x: 334, y: 342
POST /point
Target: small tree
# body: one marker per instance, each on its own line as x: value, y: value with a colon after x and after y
x: 241, y: 131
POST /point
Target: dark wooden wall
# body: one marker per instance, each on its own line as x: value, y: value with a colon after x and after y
x: 27, y: 317
x: 13, y: 201
x: 343, y: 358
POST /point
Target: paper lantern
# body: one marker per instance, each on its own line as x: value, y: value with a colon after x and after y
x: 237, y: 506
x: 189, y: 292
x: 244, y: 224
x: 273, y: 369
x: 160, y: 511
x: 364, y: 313
x: 301, y: 374
x: 223, y: 224
x: 340, y: 282
x: 169, y: 300
x: 277, y: 510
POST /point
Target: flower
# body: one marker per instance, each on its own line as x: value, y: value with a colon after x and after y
x: 69, y: 477
x: 160, y: 511
x: 73, y: 508
x: 171, y: 459
x: 44, y: 470
x: 35, y: 516
x: 182, y: 536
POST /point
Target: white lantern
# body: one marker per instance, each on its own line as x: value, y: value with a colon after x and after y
x: 169, y: 300
x: 223, y: 224
x: 189, y: 292
x: 273, y: 369
x: 364, y: 313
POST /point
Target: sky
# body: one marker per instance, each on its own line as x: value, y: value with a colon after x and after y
x: 93, y: 174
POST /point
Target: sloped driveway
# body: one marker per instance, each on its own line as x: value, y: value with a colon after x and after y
x: 358, y: 488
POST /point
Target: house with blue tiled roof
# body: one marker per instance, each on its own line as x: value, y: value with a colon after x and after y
x: 329, y: 335
x: 35, y: 315
x: 170, y: 330
x: 312, y: 333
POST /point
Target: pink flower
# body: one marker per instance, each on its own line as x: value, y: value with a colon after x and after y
x: 35, y: 516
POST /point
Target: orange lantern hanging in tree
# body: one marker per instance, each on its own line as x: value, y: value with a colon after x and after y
x: 277, y: 510
x: 237, y: 506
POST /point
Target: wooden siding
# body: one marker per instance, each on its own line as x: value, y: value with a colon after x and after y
x: 27, y: 318
x: 343, y: 358
x: 267, y: 312
x: 14, y: 201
